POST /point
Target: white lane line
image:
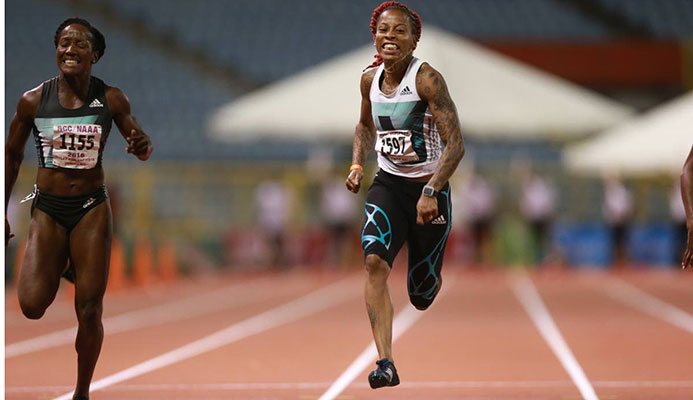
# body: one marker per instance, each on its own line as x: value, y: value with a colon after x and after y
x: 228, y: 297
x: 230, y: 387
x: 403, y: 321
x: 311, y: 303
x: 529, y: 298
x: 649, y: 304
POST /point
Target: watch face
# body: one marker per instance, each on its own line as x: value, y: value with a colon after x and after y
x: 428, y: 191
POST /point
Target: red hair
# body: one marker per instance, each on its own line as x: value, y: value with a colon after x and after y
x: 388, y: 5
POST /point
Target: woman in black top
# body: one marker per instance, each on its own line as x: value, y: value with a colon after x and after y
x: 70, y: 117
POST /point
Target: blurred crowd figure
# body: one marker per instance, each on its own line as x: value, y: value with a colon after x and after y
x: 338, y: 210
x: 479, y: 203
x: 538, y: 207
x: 477, y: 213
x: 272, y: 216
x: 617, y: 209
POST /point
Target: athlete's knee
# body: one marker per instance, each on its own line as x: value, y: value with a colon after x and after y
x: 376, y: 267
x: 422, y: 301
x: 32, y: 309
x: 89, y: 311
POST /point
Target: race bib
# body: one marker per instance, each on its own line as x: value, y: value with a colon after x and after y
x: 76, y: 146
x: 396, y: 145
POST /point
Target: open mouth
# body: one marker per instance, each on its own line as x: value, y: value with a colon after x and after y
x: 71, y: 62
x: 390, y: 47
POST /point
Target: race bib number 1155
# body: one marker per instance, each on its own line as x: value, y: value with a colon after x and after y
x: 76, y: 145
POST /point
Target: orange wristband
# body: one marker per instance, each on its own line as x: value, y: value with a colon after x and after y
x: 355, y: 166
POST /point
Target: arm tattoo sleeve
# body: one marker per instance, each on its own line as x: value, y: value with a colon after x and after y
x: 364, y: 141
x: 448, y: 125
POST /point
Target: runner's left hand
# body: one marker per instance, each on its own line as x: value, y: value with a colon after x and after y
x: 139, y: 144
x: 426, y: 209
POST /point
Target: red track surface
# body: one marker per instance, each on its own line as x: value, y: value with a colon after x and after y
x: 477, y: 341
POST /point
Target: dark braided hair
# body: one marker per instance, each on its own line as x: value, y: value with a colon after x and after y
x: 98, y: 41
x: 388, y: 5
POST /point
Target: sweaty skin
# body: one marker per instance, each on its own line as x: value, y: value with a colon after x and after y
x: 88, y: 244
x: 687, y: 195
x: 394, y: 41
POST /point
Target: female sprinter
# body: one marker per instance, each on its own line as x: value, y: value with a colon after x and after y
x: 408, y: 117
x: 70, y: 118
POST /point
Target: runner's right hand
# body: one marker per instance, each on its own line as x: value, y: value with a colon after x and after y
x: 353, y: 182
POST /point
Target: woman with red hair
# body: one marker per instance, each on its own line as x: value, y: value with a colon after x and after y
x: 408, y: 117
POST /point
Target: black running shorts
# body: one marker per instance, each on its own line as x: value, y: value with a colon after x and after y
x: 391, y: 221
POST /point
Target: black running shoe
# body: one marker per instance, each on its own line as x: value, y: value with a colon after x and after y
x: 69, y: 274
x: 384, y: 375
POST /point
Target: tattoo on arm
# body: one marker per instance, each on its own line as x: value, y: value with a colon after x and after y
x: 364, y: 140
x: 364, y: 137
x: 435, y: 91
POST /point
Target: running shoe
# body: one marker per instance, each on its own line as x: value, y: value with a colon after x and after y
x: 384, y: 375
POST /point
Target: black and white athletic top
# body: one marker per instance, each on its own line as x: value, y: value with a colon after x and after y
x: 72, y: 138
x: 407, y: 140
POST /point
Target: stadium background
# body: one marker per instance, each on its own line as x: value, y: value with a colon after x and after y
x: 180, y: 61
x: 196, y: 308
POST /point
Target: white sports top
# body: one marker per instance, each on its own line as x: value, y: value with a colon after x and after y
x: 407, y: 140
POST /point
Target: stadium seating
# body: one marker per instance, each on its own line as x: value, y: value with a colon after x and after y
x: 664, y: 19
x: 170, y: 99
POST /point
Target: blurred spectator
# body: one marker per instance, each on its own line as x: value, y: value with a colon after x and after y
x: 338, y: 207
x: 617, y: 210
x: 678, y: 219
x: 479, y: 202
x: 273, y: 212
x: 538, y: 205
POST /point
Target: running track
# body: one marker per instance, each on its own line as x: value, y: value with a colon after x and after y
x: 304, y: 335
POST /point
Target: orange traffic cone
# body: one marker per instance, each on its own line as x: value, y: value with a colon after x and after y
x: 116, y: 270
x: 168, y: 267
x: 142, y: 262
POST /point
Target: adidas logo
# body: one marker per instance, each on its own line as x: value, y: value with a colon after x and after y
x: 439, y: 221
x: 95, y: 103
x: 405, y: 91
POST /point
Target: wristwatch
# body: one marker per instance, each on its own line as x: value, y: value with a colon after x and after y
x: 429, y: 191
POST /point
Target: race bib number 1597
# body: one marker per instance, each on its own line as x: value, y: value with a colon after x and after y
x: 396, y: 145
x: 76, y: 145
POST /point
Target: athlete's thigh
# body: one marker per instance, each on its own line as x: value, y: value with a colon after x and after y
x: 384, y: 229
x: 45, y: 257
x: 426, y: 248
x: 90, y: 252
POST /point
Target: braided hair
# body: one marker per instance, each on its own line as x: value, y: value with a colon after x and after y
x: 388, y: 5
x: 98, y: 41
